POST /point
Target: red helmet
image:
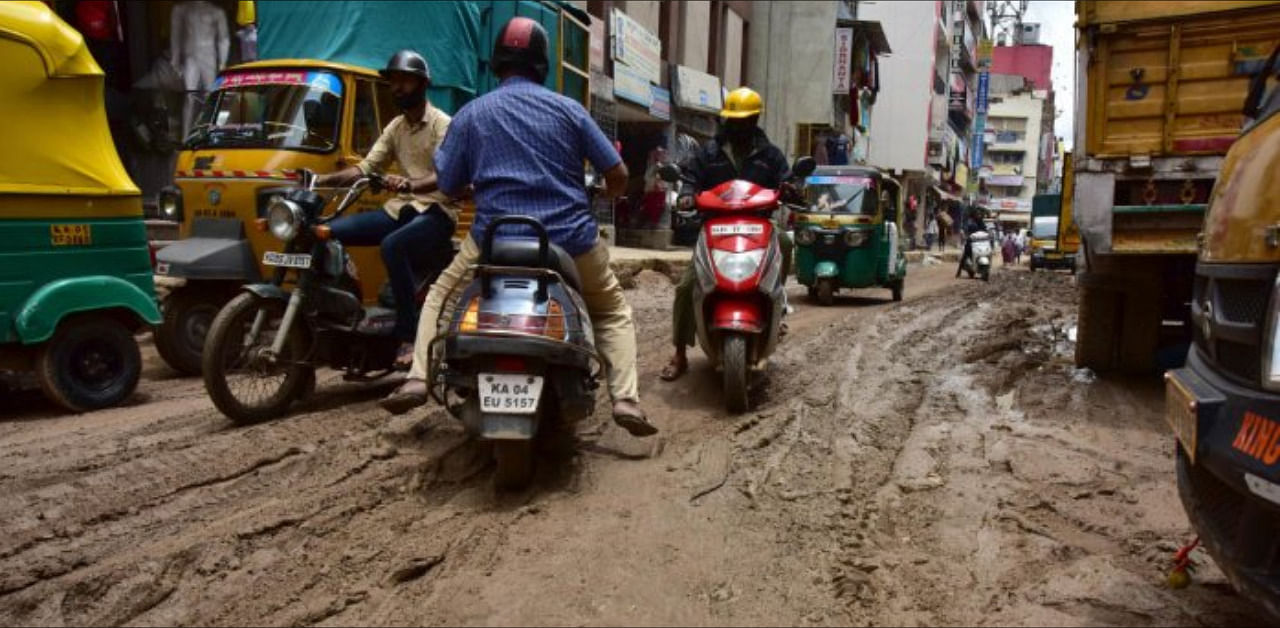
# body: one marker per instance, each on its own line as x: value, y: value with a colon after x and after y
x: 522, y: 45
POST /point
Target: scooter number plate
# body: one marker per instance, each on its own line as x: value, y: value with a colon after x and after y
x: 287, y: 260
x: 727, y: 230
x: 509, y: 393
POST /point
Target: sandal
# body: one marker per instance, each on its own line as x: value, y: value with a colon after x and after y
x: 411, y: 394
x: 674, y: 370
x: 628, y: 415
x: 404, y: 356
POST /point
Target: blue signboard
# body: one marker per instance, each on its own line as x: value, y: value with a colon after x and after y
x: 979, y: 125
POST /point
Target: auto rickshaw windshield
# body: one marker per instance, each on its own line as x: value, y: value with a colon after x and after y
x: 842, y: 194
x: 292, y: 110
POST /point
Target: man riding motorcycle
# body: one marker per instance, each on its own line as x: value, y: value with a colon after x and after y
x: 972, y: 224
x: 741, y: 150
x: 416, y: 227
x: 522, y: 148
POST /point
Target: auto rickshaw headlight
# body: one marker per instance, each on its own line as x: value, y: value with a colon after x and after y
x: 284, y: 218
x: 854, y: 237
x: 169, y: 201
x: 805, y: 237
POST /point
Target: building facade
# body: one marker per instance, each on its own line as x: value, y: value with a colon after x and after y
x: 1011, y: 173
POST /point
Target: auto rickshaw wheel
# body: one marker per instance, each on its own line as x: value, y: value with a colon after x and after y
x: 90, y: 363
x: 736, y: 375
x: 188, y: 314
x: 826, y: 292
x: 245, y: 382
x: 897, y: 290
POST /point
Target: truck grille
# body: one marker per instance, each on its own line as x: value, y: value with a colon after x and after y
x: 1229, y: 315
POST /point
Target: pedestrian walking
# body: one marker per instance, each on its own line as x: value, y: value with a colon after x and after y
x: 930, y: 232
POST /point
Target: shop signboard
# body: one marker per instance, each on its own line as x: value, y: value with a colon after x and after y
x: 842, y: 68
x: 697, y: 90
x: 660, y: 107
x: 631, y: 85
x: 636, y: 47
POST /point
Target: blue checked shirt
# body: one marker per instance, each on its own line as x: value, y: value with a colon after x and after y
x: 523, y: 146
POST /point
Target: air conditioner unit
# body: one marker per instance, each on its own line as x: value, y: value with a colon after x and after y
x: 1030, y: 33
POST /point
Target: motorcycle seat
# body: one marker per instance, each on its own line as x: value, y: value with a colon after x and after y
x: 523, y: 252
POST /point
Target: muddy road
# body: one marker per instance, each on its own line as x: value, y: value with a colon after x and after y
x: 935, y: 461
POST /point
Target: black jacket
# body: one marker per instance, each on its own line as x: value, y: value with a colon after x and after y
x: 710, y: 166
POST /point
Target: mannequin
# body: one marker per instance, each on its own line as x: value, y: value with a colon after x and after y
x: 199, y: 45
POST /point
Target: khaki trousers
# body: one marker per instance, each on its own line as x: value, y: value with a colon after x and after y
x: 615, y: 331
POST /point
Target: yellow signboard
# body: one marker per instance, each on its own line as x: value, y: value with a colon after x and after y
x: 70, y: 235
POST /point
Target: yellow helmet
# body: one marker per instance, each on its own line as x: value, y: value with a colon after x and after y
x: 743, y: 102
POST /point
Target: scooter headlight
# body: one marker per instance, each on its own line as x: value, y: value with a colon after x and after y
x: 806, y: 237
x: 284, y: 218
x: 854, y: 237
x: 737, y: 266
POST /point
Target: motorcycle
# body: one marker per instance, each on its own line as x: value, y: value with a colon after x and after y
x: 979, y: 260
x: 264, y: 345
x: 519, y: 350
x: 738, y: 299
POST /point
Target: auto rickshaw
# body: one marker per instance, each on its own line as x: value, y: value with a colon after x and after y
x: 261, y: 124
x: 75, y: 268
x: 849, y: 233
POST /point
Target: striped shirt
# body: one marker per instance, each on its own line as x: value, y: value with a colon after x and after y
x: 523, y: 147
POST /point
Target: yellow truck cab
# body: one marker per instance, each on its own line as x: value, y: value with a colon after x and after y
x: 261, y: 123
x: 1224, y: 405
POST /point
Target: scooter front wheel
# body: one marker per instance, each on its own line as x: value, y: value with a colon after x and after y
x: 986, y: 273
x: 245, y: 383
x: 736, y: 374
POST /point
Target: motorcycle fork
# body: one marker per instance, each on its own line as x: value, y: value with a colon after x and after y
x: 296, y: 299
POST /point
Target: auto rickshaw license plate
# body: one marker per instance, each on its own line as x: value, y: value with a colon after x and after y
x: 287, y: 260
x: 1180, y: 413
x: 510, y: 393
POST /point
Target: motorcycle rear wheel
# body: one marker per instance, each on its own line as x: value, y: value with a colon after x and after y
x: 986, y: 273
x: 736, y: 374
x: 515, y: 464
x: 233, y: 372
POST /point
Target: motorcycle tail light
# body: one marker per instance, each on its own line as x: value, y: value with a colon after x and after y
x: 551, y: 325
x: 555, y: 321
x: 471, y: 318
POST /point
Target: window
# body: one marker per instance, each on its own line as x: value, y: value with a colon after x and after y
x: 807, y: 137
x: 365, y: 124
x: 575, y: 66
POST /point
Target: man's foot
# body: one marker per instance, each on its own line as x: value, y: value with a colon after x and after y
x: 628, y: 415
x: 678, y: 366
x: 404, y: 355
x: 411, y: 394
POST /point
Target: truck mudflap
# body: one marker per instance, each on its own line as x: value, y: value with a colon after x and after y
x: 216, y: 249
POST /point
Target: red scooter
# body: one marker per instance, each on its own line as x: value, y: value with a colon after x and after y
x: 739, y: 295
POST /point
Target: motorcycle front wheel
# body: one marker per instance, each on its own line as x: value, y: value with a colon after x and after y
x: 986, y: 273
x: 245, y: 382
x: 736, y: 375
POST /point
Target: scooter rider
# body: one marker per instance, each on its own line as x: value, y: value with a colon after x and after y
x: 741, y: 150
x: 415, y: 228
x: 522, y: 148
x: 972, y: 225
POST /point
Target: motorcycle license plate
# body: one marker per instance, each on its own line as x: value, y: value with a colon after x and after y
x: 510, y: 393
x: 287, y: 260
x: 1180, y: 415
x: 728, y: 230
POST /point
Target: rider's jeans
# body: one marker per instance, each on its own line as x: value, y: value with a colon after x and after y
x: 415, y: 240
x: 684, y: 329
x: 615, y: 330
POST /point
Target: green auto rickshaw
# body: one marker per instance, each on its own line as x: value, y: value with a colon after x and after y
x: 849, y: 233
x: 75, y: 267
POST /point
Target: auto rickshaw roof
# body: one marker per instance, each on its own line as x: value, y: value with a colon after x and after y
x: 59, y: 45
x: 849, y: 171
x: 317, y: 64
x: 52, y: 112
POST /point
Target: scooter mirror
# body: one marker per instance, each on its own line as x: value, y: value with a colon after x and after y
x: 669, y: 173
x: 804, y: 167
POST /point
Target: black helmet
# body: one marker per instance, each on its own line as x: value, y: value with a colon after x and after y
x: 408, y: 62
x: 522, y: 44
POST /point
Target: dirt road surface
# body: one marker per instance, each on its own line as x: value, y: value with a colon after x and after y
x: 935, y: 461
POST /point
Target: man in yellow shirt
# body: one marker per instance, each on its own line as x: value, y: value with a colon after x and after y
x: 415, y: 228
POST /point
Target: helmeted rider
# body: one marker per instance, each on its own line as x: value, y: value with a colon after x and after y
x: 415, y: 228
x: 522, y: 148
x: 972, y: 224
x: 740, y: 150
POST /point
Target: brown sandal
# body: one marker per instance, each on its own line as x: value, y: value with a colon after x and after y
x: 674, y: 370
x: 628, y: 415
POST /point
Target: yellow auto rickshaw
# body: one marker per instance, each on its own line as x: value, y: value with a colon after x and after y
x: 261, y: 123
x: 75, y: 269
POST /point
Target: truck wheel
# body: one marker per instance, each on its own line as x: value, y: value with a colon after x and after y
x: 736, y: 375
x: 897, y: 290
x: 243, y: 384
x: 188, y: 313
x: 89, y: 364
x: 515, y: 464
x: 1095, y: 328
x: 826, y: 291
